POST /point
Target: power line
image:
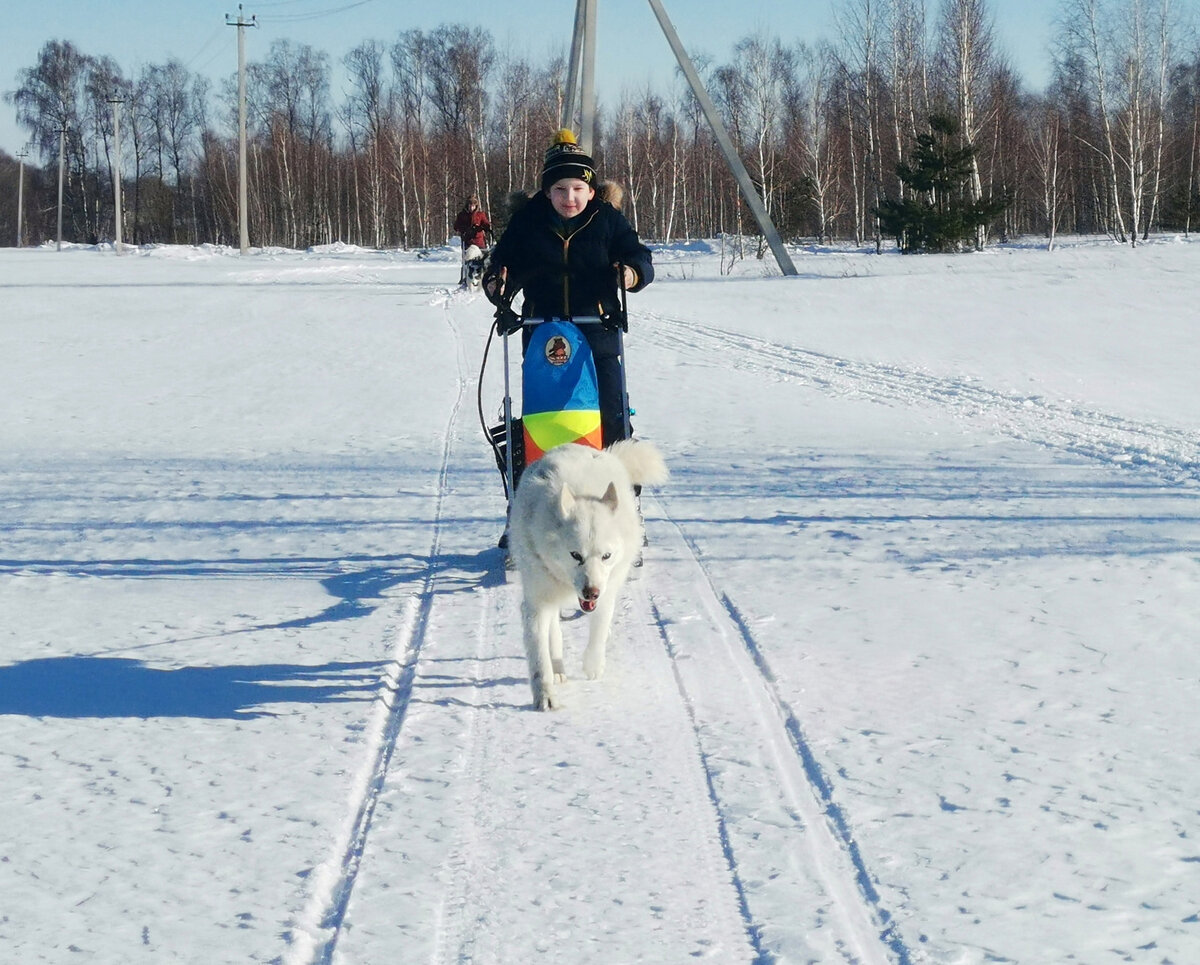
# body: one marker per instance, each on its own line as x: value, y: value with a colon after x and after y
x: 315, y: 14
x: 199, y: 53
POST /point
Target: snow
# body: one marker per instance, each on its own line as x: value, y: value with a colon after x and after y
x: 911, y: 675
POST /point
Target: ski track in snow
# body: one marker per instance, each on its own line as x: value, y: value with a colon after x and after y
x: 709, y: 659
x: 315, y: 938
x: 1173, y: 454
x: 862, y: 929
x: 705, y: 639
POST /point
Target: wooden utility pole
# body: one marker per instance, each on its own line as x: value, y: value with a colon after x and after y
x: 243, y: 191
x: 116, y: 169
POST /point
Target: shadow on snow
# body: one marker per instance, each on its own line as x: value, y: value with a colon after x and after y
x: 74, y: 687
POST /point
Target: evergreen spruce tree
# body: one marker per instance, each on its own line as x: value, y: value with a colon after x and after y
x: 937, y: 214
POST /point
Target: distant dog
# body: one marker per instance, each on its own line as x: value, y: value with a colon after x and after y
x: 575, y: 533
x: 474, y: 265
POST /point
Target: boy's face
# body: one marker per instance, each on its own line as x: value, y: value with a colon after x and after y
x: 570, y: 196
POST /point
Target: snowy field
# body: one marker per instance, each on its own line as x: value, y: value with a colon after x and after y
x: 912, y: 674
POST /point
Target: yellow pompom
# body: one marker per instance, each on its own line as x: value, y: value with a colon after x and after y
x: 564, y: 136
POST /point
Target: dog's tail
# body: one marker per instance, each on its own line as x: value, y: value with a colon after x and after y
x: 641, y: 460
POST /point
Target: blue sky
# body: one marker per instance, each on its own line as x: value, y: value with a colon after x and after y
x: 631, y: 50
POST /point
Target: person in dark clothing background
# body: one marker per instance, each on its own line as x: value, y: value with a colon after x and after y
x: 562, y: 250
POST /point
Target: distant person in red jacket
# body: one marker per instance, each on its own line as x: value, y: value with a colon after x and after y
x: 474, y: 228
x: 472, y: 224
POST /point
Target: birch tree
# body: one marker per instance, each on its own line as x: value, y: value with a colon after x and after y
x: 861, y: 26
x: 1087, y: 35
x: 51, y: 97
x: 818, y: 164
x: 1045, y: 140
x: 368, y: 115
x: 967, y: 51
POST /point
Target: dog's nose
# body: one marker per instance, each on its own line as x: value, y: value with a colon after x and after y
x: 591, y: 593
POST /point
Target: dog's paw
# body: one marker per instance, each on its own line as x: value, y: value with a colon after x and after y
x: 560, y: 672
x: 544, y: 696
x: 594, y: 662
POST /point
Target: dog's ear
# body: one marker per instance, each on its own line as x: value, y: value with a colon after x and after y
x: 610, y: 498
x: 566, y: 502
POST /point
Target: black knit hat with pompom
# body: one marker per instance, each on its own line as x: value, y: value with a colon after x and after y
x: 566, y: 159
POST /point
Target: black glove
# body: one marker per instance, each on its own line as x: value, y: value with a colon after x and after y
x: 507, y: 321
x: 493, y: 288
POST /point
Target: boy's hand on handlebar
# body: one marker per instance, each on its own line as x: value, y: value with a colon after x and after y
x: 493, y: 286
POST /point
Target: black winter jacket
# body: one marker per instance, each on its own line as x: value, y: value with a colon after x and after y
x: 565, y: 268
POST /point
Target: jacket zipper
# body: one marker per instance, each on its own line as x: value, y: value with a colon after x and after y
x: 566, y: 240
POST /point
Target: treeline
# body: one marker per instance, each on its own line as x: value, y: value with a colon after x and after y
x: 1111, y: 146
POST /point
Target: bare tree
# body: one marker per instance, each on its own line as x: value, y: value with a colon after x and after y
x: 411, y: 55
x: 1085, y: 34
x: 460, y: 59
x: 861, y: 26
x: 368, y: 116
x: 1187, y: 109
x: 292, y: 90
x: 1113, y: 145
x: 513, y: 127
x: 908, y: 70
x: 52, y: 97
x: 1163, y: 24
x: 816, y: 107
x: 967, y: 52
x: 1045, y: 140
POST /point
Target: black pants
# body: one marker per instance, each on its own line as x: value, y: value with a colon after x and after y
x: 609, y: 381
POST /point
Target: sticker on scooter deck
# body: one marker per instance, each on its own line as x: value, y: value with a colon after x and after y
x: 560, y: 400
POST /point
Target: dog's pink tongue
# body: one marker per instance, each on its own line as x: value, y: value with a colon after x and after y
x: 587, y: 606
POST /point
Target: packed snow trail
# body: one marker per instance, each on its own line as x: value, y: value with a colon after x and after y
x: 477, y: 847
x: 713, y: 648
x: 975, y: 612
x: 763, y: 870
x: 319, y: 927
x: 1172, y: 453
x: 470, y: 858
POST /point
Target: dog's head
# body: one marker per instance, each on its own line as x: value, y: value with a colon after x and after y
x: 593, y: 544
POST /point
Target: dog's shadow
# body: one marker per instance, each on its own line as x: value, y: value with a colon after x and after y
x: 478, y: 684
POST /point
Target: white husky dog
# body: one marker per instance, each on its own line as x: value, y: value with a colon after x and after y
x: 575, y: 532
